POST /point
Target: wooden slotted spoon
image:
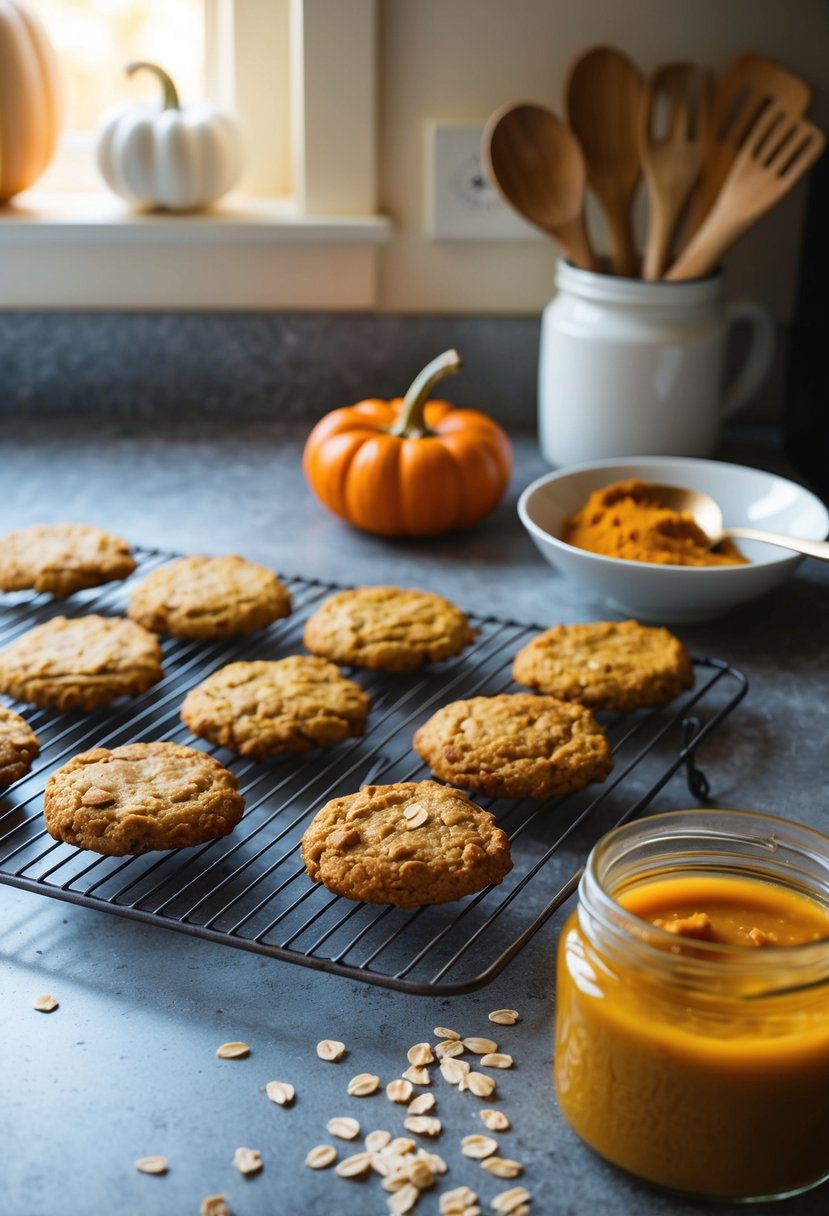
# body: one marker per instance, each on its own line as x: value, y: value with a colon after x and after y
x: 603, y: 94
x: 779, y: 150
x: 536, y: 165
x: 674, y: 126
x: 749, y: 85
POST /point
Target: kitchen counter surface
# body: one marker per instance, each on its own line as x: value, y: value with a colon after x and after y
x: 126, y: 1066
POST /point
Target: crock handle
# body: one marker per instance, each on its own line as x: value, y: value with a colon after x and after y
x: 758, y: 360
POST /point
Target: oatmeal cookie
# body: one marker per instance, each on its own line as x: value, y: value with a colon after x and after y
x: 83, y: 662
x: 62, y: 558
x: 606, y: 665
x: 141, y: 797
x: 290, y: 705
x: 18, y: 746
x: 412, y: 843
x: 515, y: 744
x: 387, y: 628
x: 209, y: 597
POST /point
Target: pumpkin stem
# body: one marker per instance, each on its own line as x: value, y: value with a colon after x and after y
x: 171, y: 101
x: 410, y: 423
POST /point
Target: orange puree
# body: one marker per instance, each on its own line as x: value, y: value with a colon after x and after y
x: 687, y: 1069
x: 626, y: 520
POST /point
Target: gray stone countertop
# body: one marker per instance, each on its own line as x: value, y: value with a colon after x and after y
x: 126, y: 1066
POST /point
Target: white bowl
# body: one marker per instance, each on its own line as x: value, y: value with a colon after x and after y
x: 676, y: 593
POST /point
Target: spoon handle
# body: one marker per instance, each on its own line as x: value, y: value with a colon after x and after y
x: 812, y: 548
x: 573, y: 238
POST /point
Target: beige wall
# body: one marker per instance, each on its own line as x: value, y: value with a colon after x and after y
x: 460, y: 59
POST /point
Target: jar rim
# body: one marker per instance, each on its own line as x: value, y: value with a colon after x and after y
x: 594, y: 285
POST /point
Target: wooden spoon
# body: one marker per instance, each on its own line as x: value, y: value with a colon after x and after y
x: 676, y: 101
x: 535, y: 163
x: 603, y: 95
x: 749, y: 85
x: 708, y: 516
x: 779, y: 150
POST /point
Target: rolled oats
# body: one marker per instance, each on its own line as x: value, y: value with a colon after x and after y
x: 233, y: 1051
x: 363, y: 1084
x: 152, y: 1165
x: 343, y: 1127
x: 330, y: 1049
x: 280, y: 1092
x: 321, y: 1157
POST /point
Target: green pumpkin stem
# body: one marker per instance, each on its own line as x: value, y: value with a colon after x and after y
x: 171, y: 101
x: 410, y: 423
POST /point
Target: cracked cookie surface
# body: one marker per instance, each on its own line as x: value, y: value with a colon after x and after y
x: 209, y: 597
x: 517, y: 745
x: 18, y: 746
x: 408, y: 844
x: 617, y: 665
x: 287, y: 705
x: 80, y: 662
x: 140, y: 797
x: 60, y: 559
x: 387, y: 628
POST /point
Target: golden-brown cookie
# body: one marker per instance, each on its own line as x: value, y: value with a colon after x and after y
x: 515, y: 744
x: 140, y: 797
x: 209, y: 597
x: 18, y: 746
x: 62, y: 558
x: 288, y: 705
x: 80, y: 663
x: 387, y: 628
x: 606, y: 665
x: 412, y: 843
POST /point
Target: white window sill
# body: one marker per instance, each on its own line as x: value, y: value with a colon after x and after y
x: 92, y: 251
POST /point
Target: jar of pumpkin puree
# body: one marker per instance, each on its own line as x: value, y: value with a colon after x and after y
x: 692, y: 1017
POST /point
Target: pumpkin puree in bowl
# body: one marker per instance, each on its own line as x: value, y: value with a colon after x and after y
x: 627, y: 520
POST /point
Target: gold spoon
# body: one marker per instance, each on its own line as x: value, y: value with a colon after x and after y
x: 708, y: 516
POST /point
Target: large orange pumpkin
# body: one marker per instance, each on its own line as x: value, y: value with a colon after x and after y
x: 409, y: 467
x: 30, y: 91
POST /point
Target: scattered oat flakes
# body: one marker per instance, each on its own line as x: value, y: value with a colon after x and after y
x: 248, y: 1161
x: 496, y: 1059
x: 280, y: 1092
x: 452, y: 1047
x: 399, y: 1091
x: 510, y: 1201
x: 152, y: 1165
x: 397, y: 1180
x: 375, y: 1141
x: 495, y: 1120
x: 503, y: 1167
x: 456, y: 1201
x: 418, y: 1075
x: 214, y: 1205
x: 420, y: 1054
x: 423, y: 1125
x: 401, y: 1145
x: 45, y: 1003
x: 434, y: 1161
x: 504, y: 1017
x: 478, y: 1146
x: 321, y: 1157
x: 330, y: 1049
x: 441, y: 1032
x: 479, y: 1084
x: 354, y: 1167
x: 421, y: 1105
x: 404, y: 1200
x: 363, y: 1084
x: 480, y: 1047
x: 233, y: 1051
x: 454, y: 1071
x: 343, y: 1127
x: 421, y: 1175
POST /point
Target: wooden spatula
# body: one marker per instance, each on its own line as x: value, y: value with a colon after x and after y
x: 749, y: 85
x: 779, y: 150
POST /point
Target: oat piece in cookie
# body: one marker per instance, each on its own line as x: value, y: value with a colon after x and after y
x: 62, y: 558
x: 387, y: 628
x: 606, y: 665
x: 140, y: 797
x: 412, y: 843
x: 18, y: 746
x: 290, y: 705
x: 209, y: 597
x: 516, y: 744
x: 82, y: 662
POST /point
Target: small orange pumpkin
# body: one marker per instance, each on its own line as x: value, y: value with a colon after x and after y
x: 30, y: 88
x: 409, y: 467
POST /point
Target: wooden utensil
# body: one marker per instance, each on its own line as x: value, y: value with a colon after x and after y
x: 602, y: 97
x: 749, y: 85
x: 535, y: 163
x: 674, y: 127
x: 778, y: 151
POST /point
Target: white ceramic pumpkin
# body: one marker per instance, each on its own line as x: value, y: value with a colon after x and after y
x: 175, y: 158
x: 30, y: 98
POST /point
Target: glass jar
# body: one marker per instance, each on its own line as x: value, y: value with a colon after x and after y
x: 699, y: 1066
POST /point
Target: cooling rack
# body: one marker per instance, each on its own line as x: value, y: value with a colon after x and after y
x: 250, y: 890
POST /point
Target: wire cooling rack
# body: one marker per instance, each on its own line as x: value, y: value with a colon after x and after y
x: 250, y: 889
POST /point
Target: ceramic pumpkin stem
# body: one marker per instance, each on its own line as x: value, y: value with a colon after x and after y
x: 171, y: 101
x: 410, y: 423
